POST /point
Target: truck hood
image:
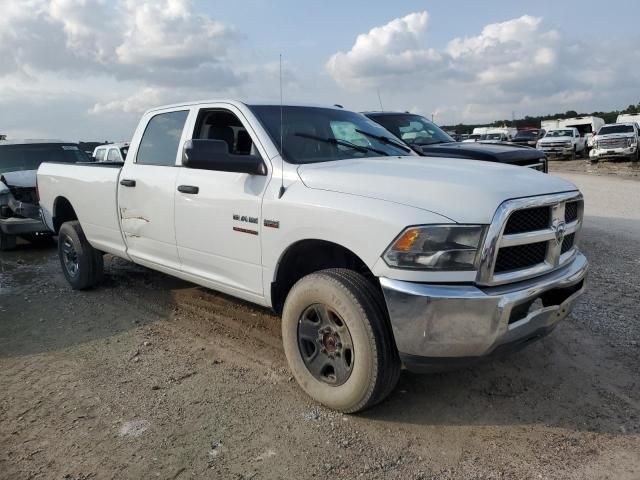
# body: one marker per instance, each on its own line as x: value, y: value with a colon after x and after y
x: 614, y: 135
x: 555, y: 139
x: 20, y: 179
x: 489, y: 152
x: 465, y: 191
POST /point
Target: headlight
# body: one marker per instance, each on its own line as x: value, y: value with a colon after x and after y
x: 631, y: 141
x: 538, y: 145
x: 568, y: 144
x: 437, y: 247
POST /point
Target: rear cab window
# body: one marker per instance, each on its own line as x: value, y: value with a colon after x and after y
x: 161, y: 138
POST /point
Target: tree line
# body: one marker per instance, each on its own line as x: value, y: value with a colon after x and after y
x: 534, y: 122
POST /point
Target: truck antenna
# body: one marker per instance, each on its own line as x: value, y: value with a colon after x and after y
x: 380, y: 100
x: 281, y: 191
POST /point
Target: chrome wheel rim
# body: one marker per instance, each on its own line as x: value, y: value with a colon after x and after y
x: 325, y: 344
x: 70, y: 257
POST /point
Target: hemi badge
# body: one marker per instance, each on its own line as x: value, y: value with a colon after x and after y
x: 245, y: 230
x: 272, y: 223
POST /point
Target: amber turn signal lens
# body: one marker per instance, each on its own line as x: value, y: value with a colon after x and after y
x: 405, y: 242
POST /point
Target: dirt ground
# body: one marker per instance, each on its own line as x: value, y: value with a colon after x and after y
x: 152, y: 377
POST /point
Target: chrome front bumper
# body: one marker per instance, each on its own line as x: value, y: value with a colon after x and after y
x: 439, y: 324
x: 612, y: 152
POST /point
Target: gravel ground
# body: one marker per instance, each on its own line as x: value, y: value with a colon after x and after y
x: 151, y: 377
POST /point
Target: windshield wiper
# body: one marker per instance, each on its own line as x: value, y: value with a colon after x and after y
x: 385, y: 140
x: 344, y: 143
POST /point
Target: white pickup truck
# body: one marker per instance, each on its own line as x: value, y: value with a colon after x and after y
x: 562, y: 142
x: 617, y: 140
x: 375, y: 257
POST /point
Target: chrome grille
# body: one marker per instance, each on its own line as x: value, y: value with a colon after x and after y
x: 530, y: 237
x: 612, y: 143
x: 520, y: 256
x: 528, y: 220
x: 571, y: 212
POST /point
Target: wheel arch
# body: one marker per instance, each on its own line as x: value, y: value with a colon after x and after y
x: 308, y: 256
x: 63, y: 212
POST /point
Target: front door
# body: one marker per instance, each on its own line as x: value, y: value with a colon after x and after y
x: 218, y: 214
x: 147, y: 189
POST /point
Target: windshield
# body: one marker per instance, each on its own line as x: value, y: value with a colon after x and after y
x: 526, y: 134
x: 559, y: 133
x: 314, y: 134
x: 615, y: 129
x: 16, y: 157
x: 413, y: 129
x: 493, y: 136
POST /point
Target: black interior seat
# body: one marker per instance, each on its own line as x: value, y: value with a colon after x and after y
x: 222, y: 133
x: 244, y: 143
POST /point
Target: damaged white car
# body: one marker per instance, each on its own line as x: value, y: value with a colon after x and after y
x: 19, y: 210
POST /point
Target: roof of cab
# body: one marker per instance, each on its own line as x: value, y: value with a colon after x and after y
x: 239, y: 103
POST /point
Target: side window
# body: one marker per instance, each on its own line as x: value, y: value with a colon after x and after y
x: 113, y: 155
x: 159, y: 143
x: 100, y: 155
x: 224, y: 125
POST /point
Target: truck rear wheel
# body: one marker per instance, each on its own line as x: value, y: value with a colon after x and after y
x: 338, y: 342
x: 82, y: 264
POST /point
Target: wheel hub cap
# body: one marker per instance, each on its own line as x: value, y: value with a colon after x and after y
x: 325, y: 345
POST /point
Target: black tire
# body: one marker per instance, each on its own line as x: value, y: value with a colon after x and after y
x: 636, y: 157
x: 82, y: 264
x: 357, y: 306
x: 7, y: 242
x: 574, y: 153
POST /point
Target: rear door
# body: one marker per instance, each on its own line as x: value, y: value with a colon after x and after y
x: 218, y: 214
x: 147, y: 187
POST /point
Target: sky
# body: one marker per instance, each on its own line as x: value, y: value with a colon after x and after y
x: 87, y: 69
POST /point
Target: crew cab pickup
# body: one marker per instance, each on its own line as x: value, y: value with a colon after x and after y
x: 618, y: 140
x: 562, y: 142
x: 375, y: 257
x: 429, y: 140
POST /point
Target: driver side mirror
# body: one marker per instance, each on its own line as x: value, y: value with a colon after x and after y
x: 214, y: 155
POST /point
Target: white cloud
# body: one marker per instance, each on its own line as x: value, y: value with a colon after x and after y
x: 519, y: 64
x: 136, y: 103
x: 158, y: 42
x: 390, y: 50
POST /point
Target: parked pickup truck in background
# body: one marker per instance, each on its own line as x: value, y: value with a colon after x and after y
x: 618, y: 140
x: 429, y: 140
x: 112, y: 152
x: 562, y: 142
x: 374, y: 256
x: 19, y: 211
x: 528, y: 136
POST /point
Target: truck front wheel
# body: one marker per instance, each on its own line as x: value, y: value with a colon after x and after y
x: 338, y: 342
x: 82, y: 264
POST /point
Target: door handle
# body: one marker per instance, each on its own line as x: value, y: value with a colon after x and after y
x: 190, y: 189
x: 127, y: 183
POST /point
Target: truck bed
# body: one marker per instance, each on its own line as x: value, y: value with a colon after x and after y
x: 92, y: 189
